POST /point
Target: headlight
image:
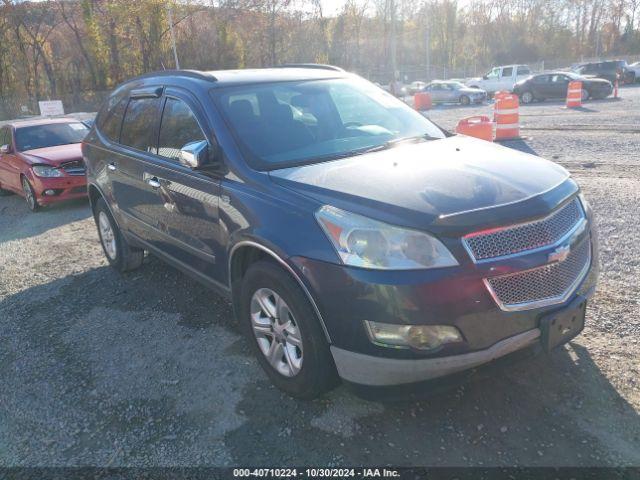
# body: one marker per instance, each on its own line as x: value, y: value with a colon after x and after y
x: 46, y: 171
x: 422, y: 337
x: 363, y: 242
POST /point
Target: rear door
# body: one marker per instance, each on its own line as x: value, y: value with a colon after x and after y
x: 135, y: 197
x: 522, y: 72
x: 186, y: 199
x: 539, y: 85
x: 506, y: 79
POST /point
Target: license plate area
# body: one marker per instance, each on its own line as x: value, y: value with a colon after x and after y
x: 559, y: 327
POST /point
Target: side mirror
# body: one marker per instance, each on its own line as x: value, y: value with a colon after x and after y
x: 194, y: 154
x: 5, y: 149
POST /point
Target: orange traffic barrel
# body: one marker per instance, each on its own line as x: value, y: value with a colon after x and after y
x: 479, y: 126
x: 506, y: 116
x: 422, y: 101
x: 574, y: 94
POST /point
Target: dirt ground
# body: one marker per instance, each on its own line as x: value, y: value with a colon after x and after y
x: 149, y: 368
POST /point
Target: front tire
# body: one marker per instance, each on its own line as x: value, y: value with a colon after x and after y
x: 120, y: 255
x: 29, y: 195
x: 527, y: 97
x: 285, y: 333
x: 465, y: 100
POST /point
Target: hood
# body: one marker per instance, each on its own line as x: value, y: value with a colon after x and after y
x: 54, y: 155
x: 438, y: 178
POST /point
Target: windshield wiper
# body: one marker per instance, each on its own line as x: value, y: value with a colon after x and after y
x: 396, y: 141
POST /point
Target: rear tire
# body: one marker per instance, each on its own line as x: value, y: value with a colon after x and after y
x: 120, y: 255
x: 29, y: 195
x: 527, y: 97
x: 584, y: 95
x: 465, y: 100
x: 296, y: 358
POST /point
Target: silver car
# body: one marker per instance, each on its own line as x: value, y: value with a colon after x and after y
x: 454, y: 92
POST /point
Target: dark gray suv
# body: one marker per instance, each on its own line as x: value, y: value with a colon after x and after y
x: 354, y: 237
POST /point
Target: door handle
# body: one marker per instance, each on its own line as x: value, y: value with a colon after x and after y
x: 153, y: 182
x: 112, y: 166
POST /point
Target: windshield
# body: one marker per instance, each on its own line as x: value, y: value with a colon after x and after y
x: 456, y: 85
x: 291, y: 123
x: 41, y: 136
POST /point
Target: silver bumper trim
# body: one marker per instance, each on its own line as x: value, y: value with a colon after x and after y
x: 379, y: 371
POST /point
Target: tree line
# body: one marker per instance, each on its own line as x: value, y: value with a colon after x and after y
x: 54, y: 48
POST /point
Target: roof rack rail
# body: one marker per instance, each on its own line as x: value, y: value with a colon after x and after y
x: 183, y: 73
x: 318, y: 66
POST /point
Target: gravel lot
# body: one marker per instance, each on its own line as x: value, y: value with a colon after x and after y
x: 149, y: 368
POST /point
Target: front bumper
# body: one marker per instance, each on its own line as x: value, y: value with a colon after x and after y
x: 456, y: 296
x: 64, y: 188
x: 376, y: 371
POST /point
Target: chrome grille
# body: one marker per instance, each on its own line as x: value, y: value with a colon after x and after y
x: 525, y: 236
x: 546, y: 285
x: 75, y: 167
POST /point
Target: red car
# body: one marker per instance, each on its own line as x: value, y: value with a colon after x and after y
x: 42, y: 161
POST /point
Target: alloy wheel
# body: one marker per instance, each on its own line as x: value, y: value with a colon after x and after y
x: 107, y: 236
x: 276, y: 332
x: 28, y: 193
x: 527, y: 97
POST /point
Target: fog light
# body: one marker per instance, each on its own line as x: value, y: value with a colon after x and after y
x: 49, y: 192
x: 421, y: 337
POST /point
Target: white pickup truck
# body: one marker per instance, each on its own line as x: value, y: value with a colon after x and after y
x: 500, y: 78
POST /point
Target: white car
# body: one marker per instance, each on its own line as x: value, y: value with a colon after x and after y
x: 500, y: 78
x: 416, y: 86
x: 635, y: 67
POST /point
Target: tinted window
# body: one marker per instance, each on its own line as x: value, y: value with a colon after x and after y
x: 4, y: 136
x: 138, y: 128
x: 507, y: 72
x: 178, y: 127
x: 110, y: 118
x: 312, y: 121
x: 541, y: 79
x: 559, y: 79
x: 41, y: 136
x: 523, y: 71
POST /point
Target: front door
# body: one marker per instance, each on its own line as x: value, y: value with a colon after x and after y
x: 558, y: 86
x: 187, y: 199
x: 9, y: 163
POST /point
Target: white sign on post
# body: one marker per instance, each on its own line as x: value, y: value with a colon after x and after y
x: 49, y: 108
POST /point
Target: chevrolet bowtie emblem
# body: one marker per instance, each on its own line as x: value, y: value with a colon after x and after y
x: 560, y: 254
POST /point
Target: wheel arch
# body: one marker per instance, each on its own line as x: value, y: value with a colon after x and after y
x: 246, y: 252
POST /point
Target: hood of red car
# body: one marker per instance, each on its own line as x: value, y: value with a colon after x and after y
x: 54, y: 155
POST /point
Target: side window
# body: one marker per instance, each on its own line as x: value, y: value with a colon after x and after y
x: 507, y: 71
x: 495, y: 73
x: 178, y: 127
x: 110, y: 119
x: 541, y: 79
x: 522, y: 70
x: 139, y: 120
x: 4, y: 136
